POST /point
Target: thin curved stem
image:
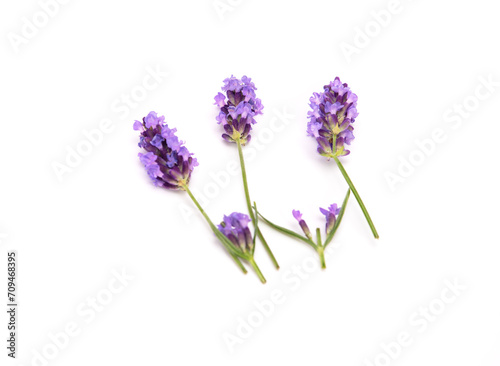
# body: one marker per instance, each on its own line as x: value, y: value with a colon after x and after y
x: 257, y: 270
x: 285, y: 231
x: 249, y: 206
x: 358, y: 198
x: 214, y: 228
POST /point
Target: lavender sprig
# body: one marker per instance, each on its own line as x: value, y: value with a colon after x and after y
x: 330, y: 122
x: 235, y: 228
x: 238, y: 108
x: 169, y: 164
x: 333, y: 216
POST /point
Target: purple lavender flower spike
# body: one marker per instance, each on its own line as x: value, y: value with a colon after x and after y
x: 331, y: 216
x: 298, y: 216
x: 238, y: 108
x: 168, y: 163
x: 331, y: 117
x: 235, y: 228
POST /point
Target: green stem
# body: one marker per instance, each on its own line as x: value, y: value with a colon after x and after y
x: 321, y: 252
x: 213, y: 227
x: 257, y: 270
x: 358, y: 198
x: 318, y: 236
x: 249, y: 206
x: 320, y: 248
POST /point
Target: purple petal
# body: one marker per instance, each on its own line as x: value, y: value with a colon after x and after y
x: 147, y: 159
x: 323, y: 211
x: 297, y: 215
x: 220, y: 100
x: 313, y: 128
x: 151, y: 120
x: 347, y: 136
x: 157, y: 141
x: 221, y: 118
x: 332, y: 108
x: 138, y: 126
x: 352, y: 112
x: 351, y: 97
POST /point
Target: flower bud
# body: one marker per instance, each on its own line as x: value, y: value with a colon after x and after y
x: 302, y: 223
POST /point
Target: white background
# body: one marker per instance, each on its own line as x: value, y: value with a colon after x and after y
x: 439, y: 223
